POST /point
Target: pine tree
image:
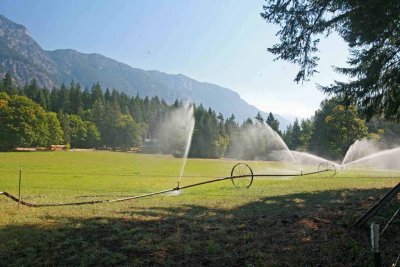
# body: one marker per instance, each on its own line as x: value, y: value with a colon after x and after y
x: 7, y: 85
x: 76, y: 98
x: 296, y: 135
x: 273, y: 123
x: 371, y: 30
x: 259, y: 118
x: 97, y: 93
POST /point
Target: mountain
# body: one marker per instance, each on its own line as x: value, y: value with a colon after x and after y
x: 23, y: 57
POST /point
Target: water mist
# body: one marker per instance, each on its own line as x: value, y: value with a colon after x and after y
x: 175, y: 134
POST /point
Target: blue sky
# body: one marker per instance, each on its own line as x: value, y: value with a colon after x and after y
x: 222, y: 42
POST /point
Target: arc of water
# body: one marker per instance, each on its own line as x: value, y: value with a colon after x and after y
x: 381, y: 153
x: 311, y: 157
x: 187, y: 149
x: 349, y: 151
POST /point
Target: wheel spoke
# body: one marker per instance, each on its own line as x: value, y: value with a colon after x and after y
x: 327, y: 169
x: 242, y: 175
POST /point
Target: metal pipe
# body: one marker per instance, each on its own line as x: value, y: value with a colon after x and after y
x: 292, y: 175
x: 149, y: 194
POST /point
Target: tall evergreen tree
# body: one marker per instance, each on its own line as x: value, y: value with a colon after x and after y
x: 86, y: 99
x: 296, y: 135
x: 307, y: 129
x: 371, y: 29
x: 7, y: 85
x: 31, y: 90
x: 97, y: 93
x: 273, y: 123
x: 259, y: 118
x: 76, y: 98
x: 64, y: 99
x: 231, y: 125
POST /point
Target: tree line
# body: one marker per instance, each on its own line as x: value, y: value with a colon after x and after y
x: 97, y: 118
x: 335, y: 127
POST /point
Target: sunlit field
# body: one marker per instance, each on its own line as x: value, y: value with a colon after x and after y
x: 277, y: 221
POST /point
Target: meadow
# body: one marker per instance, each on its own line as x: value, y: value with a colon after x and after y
x: 281, y: 221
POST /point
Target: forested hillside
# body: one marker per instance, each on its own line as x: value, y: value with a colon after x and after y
x: 34, y: 116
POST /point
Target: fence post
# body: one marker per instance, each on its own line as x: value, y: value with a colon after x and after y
x: 375, y: 244
x: 19, y: 186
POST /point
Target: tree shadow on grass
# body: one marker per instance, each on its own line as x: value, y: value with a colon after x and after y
x: 309, y: 229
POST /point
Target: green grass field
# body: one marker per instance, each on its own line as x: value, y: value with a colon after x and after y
x: 281, y: 221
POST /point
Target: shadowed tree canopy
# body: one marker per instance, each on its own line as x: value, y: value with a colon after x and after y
x: 336, y: 128
x: 372, y: 30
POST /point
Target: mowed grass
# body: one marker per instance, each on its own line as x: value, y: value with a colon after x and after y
x: 277, y: 221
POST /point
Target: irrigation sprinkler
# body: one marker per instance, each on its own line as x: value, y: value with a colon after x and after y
x: 241, y: 176
x: 328, y: 168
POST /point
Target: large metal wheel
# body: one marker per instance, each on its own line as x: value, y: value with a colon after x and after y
x: 326, y: 169
x: 242, y: 175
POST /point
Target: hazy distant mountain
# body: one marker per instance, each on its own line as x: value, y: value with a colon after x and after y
x: 25, y: 59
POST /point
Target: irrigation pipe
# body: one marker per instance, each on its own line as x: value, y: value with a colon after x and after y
x: 390, y: 221
x: 249, y: 175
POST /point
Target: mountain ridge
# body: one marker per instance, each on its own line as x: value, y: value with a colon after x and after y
x: 24, y: 58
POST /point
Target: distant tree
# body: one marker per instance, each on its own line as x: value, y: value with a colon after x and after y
x: 177, y: 104
x: 135, y: 107
x: 287, y: 136
x: 22, y: 122
x: 76, y: 103
x: 221, y: 124
x: 55, y: 100
x: 83, y: 134
x: 128, y: 133
x: 86, y: 99
x: 65, y: 126
x: 231, y: 125
x: 115, y: 97
x: 41, y: 99
x: 273, y: 123
x: 78, y: 131
x: 98, y: 113
x: 307, y: 128
x: 97, y: 93
x: 54, y: 133
x: 336, y: 128
x: 64, y: 99
x: 371, y: 29
x: 93, y: 136
x: 387, y: 131
x: 259, y: 118
x: 47, y: 99
x: 296, y: 135
x: 207, y: 141
x: 292, y: 135
x: 249, y: 121
x: 31, y: 90
x: 7, y: 85
x: 107, y: 96
x: 108, y: 125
